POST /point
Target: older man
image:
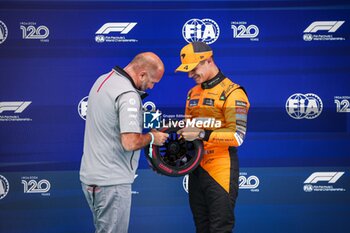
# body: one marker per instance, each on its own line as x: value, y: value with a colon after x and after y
x: 113, y: 139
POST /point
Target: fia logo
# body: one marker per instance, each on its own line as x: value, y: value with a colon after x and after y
x: 3, y: 32
x: 4, y: 187
x: 82, y: 107
x: 300, y: 106
x: 204, y: 30
x: 151, y: 116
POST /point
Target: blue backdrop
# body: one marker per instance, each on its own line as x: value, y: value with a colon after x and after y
x: 292, y: 57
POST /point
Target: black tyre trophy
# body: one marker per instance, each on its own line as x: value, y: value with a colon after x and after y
x: 177, y: 157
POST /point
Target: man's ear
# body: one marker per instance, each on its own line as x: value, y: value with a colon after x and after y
x: 210, y: 60
x: 143, y: 75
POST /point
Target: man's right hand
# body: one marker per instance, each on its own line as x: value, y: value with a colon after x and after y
x: 159, y: 137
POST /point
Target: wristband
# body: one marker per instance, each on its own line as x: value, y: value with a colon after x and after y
x: 151, y: 145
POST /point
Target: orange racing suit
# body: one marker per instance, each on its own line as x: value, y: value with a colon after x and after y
x: 213, y: 186
x: 227, y: 103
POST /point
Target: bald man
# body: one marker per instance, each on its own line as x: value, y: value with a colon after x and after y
x: 113, y: 139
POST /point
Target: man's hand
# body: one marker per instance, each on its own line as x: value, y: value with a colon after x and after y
x: 159, y: 137
x: 189, y: 133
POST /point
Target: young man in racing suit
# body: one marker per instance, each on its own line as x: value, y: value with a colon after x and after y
x: 213, y: 186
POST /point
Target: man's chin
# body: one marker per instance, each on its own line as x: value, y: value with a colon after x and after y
x: 198, y: 81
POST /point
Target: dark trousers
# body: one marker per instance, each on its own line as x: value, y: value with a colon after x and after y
x: 212, y: 207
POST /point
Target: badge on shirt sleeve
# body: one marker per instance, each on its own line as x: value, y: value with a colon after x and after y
x: 194, y: 102
x: 241, y: 103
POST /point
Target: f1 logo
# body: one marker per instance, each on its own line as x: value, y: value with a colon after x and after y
x: 331, y: 177
x: 123, y: 28
x: 330, y: 26
x: 16, y: 106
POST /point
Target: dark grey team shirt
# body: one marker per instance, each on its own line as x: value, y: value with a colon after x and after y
x: 114, y: 107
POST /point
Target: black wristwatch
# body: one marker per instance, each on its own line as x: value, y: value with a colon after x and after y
x: 201, y: 134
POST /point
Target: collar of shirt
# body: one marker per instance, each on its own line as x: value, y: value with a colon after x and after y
x: 126, y: 75
x: 214, y: 81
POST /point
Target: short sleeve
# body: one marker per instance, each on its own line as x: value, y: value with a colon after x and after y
x: 129, y: 108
